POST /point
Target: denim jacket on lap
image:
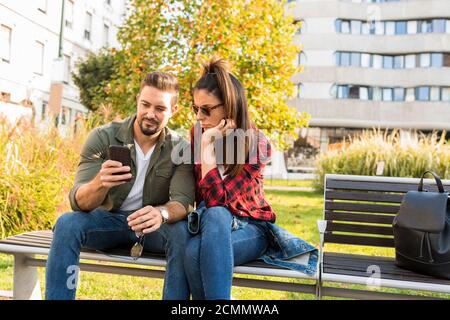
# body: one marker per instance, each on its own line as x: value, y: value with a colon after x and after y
x: 287, y: 250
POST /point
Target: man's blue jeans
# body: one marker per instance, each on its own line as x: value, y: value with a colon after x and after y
x: 102, y: 230
x: 224, y: 241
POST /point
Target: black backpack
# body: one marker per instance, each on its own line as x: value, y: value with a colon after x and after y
x: 422, y: 231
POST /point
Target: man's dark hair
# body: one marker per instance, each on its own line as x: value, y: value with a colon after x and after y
x: 162, y: 81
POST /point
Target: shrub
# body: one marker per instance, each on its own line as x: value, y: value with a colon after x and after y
x: 37, y: 171
x: 402, y: 157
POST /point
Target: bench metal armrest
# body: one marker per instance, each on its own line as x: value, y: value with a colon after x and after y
x: 322, y: 226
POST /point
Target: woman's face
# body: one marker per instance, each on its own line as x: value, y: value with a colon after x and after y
x: 210, y: 110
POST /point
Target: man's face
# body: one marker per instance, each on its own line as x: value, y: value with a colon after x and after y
x: 153, y: 110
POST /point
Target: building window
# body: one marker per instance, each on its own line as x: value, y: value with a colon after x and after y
x: 353, y: 92
x: 437, y: 60
x: 410, y: 61
x: 446, y: 60
x: 400, y: 27
x: 425, y: 60
x: 355, y: 59
x: 66, y: 78
x: 342, y: 92
x: 365, y: 60
x: 5, y: 43
x: 377, y: 61
x: 435, y: 94
x: 366, y: 28
x: 345, y: 59
x: 410, y: 96
x: 38, y: 58
x: 105, y: 35
x: 364, y: 93
x: 379, y: 27
x: 345, y: 26
x: 388, y: 62
x: 399, y: 62
x: 338, y: 25
x: 88, y: 26
x: 301, y: 27
x: 445, y: 96
x: 387, y: 94
x: 64, y: 116
x: 411, y: 27
x: 377, y: 94
x: 439, y: 25
x: 423, y: 93
x: 399, y: 94
x: 390, y: 28
x: 356, y: 26
x: 42, y: 6
x: 301, y: 59
x: 68, y: 15
x: 425, y: 26
x: 300, y: 91
x: 44, y: 111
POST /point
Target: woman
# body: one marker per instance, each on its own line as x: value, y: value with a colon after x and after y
x: 236, y: 223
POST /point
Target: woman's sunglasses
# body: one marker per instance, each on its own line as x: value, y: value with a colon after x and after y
x: 205, y: 110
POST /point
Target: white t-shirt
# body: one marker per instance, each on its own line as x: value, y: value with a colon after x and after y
x: 221, y: 168
x: 133, y: 201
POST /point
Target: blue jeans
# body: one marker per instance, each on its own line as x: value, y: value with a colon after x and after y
x: 224, y: 241
x: 102, y: 230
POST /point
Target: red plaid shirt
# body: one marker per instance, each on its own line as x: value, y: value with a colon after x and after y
x: 243, y: 194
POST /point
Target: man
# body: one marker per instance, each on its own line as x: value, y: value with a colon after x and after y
x: 110, y: 212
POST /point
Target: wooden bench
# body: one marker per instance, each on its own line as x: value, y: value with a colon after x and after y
x: 359, y: 210
x: 31, y: 249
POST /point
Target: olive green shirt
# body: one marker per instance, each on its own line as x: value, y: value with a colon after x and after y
x: 166, y: 180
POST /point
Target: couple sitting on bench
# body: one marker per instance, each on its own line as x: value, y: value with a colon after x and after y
x: 145, y: 206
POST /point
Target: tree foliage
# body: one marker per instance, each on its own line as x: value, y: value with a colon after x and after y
x: 177, y: 35
x: 92, y: 77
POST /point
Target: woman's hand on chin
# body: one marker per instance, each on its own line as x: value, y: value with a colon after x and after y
x: 218, y: 131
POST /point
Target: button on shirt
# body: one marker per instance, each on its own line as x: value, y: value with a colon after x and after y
x: 133, y: 201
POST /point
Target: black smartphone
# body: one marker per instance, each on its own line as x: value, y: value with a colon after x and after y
x: 121, y: 154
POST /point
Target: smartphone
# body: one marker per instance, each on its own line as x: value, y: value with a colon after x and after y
x: 121, y: 154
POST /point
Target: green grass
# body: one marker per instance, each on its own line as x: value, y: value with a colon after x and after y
x: 289, y: 183
x: 296, y: 212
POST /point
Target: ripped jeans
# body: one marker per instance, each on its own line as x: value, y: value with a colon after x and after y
x: 224, y: 241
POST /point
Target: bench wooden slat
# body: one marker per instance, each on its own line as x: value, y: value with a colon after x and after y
x: 359, y: 240
x: 359, y: 217
x: 348, y: 264
x: 31, y: 239
x: 376, y: 186
x: 364, y: 196
x: 42, y: 239
x: 21, y: 243
x: 361, y: 207
x: 359, y: 228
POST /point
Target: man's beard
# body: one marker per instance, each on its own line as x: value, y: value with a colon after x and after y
x: 147, y: 131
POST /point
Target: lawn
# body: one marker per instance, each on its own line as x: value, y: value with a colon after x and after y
x: 297, y: 211
x: 289, y: 183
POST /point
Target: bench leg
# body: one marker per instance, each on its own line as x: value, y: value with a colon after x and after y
x: 26, y: 280
x: 319, y: 289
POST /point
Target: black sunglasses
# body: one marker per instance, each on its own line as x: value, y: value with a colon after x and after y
x: 205, y: 110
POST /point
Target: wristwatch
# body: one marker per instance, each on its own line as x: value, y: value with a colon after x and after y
x: 164, y: 214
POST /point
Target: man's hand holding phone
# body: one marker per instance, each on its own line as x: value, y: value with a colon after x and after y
x: 113, y: 174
